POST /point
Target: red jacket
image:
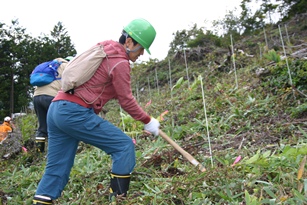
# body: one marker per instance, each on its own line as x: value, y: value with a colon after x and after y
x: 112, y: 80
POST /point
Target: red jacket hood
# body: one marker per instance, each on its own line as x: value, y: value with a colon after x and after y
x: 114, y: 49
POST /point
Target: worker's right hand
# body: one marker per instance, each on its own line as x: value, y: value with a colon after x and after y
x: 153, y: 126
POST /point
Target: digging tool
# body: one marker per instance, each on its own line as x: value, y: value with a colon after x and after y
x: 182, y: 151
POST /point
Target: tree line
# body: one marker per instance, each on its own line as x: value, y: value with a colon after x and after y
x: 251, y: 19
x: 19, y: 54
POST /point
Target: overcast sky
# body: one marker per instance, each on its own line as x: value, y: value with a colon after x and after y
x: 89, y: 22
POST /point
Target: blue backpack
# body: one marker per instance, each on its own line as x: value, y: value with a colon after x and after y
x: 45, y: 73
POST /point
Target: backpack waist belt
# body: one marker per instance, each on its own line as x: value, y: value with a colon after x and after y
x: 71, y: 98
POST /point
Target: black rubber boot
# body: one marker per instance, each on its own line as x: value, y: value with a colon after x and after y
x: 41, y: 200
x: 119, y: 185
x: 40, y: 144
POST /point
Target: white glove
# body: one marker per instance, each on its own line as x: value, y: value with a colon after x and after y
x: 152, y: 126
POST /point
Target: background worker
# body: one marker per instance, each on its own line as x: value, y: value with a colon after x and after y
x: 72, y: 117
x: 5, y: 128
x: 43, y: 96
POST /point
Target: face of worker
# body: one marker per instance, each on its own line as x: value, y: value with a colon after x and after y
x: 139, y: 50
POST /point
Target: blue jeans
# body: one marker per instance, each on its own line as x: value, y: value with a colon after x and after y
x: 70, y: 123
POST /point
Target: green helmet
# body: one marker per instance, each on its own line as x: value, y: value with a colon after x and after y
x: 142, y: 32
x: 69, y: 58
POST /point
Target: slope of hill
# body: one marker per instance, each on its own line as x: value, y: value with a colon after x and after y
x: 242, y: 115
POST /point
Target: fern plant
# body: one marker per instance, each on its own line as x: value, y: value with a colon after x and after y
x: 272, y: 56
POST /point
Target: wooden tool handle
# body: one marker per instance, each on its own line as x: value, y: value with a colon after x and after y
x: 182, y: 151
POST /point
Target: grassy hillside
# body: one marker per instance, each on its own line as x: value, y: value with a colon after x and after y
x: 224, y: 107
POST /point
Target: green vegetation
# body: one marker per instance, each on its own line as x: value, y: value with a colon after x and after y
x: 262, y: 122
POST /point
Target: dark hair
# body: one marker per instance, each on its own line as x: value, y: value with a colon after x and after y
x: 124, y: 36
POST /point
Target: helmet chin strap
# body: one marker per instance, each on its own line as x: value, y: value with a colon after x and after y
x: 134, y: 50
x: 128, y: 49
